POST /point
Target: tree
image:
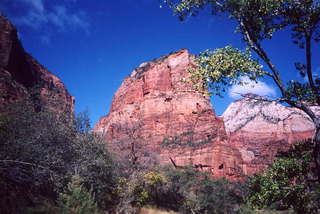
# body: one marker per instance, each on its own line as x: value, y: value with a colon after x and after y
x: 196, y: 192
x: 257, y: 21
x: 285, y: 183
x: 130, y: 147
x: 39, y: 152
x: 77, y: 199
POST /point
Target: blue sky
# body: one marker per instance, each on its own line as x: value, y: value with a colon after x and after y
x: 93, y: 45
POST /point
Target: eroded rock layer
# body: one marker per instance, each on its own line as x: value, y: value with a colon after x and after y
x: 22, y: 76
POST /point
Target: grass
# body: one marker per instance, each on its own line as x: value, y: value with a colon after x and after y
x: 274, y: 212
x: 156, y: 211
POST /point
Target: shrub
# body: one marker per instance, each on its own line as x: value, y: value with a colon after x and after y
x: 288, y: 182
x: 77, y: 199
x: 39, y: 152
x: 201, y: 193
x: 185, y: 190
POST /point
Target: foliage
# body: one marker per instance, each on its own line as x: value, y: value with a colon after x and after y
x: 82, y: 122
x: 287, y: 183
x: 43, y: 206
x: 140, y: 189
x: 156, y: 211
x: 39, y: 152
x: 76, y: 199
x: 223, y: 67
x: 201, y: 193
x: 257, y: 21
x: 185, y: 190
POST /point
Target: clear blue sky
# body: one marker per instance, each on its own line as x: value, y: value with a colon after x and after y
x: 93, y: 45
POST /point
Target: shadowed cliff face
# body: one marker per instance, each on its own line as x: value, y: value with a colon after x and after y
x: 22, y: 76
x: 154, y: 112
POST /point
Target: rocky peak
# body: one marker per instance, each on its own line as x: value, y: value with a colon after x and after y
x: 164, y: 115
x: 160, y: 114
x: 158, y: 78
x: 245, y: 113
x: 260, y: 128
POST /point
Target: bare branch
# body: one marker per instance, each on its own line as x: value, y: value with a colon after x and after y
x: 23, y: 163
x: 259, y: 50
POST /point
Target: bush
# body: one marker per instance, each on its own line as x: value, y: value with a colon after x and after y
x: 181, y: 190
x: 201, y: 193
x: 39, y: 152
x: 288, y: 182
x: 76, y: 199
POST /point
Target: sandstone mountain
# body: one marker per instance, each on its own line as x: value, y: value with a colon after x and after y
x: 154, y: 110
x: 260, y: 128
x: 22, y: 76
x: 156, y: 115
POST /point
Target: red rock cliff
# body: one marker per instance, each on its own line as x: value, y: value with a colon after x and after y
x: 22, y: 76
x: 168, y: 117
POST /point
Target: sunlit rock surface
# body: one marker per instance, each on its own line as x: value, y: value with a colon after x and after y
x: 168, y: 116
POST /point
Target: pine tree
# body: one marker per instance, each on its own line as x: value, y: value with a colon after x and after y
x: 77, y: 199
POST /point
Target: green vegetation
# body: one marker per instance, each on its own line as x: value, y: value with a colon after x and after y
x: 224, y: 67
x: 39, y: 153
x: 77, y: 200
x: 288, y: 183
x: 182, y: 190
x: 51, y: 163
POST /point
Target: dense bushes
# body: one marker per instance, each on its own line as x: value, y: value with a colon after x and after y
x: 185, y: 190
x: 39, y: 153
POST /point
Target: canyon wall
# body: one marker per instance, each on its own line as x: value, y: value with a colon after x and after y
x: 22, y: 76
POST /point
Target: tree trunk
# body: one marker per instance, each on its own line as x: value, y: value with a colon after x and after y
x: 316, y: 150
